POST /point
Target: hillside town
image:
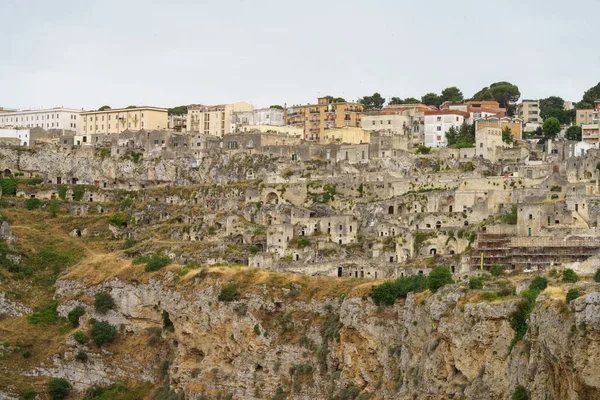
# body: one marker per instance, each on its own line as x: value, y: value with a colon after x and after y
x: 359, y: 189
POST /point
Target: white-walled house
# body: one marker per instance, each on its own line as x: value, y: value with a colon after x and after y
x: 53, y: 118
x: 23, y: 135
x: 438, y: 123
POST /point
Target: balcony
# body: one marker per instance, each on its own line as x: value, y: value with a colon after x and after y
x: 314, y: 111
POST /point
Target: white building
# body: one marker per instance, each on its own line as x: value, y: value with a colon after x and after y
x: 23, y: 135
x: 53, y: 118
x: 438, y: 123
x: 262, y: 116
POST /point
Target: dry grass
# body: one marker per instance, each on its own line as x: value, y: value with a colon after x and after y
x: 555, y: 293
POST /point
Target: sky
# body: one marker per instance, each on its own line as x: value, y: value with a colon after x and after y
x: 85, y: 54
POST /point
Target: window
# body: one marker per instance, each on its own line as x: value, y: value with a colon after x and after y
x: 439, y: 119
x: 373, y: 122
x: 389, y: 121
x: 439, y: 128
x: 480, y: 145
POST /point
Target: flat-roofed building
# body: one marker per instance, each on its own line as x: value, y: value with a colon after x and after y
x: 214, y: 120
x: 122, y: 119
x: 52, y: 118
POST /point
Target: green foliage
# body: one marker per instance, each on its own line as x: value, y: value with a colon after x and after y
x: 129, y: 243
x: 330, y: 328
x: 53, y: 208
x: 569, y: 276
x: 572, y: 294
x: 28, y: 394
x: 431, y: 99
x: 103, y: 152
x: 80, y: 337
x: 464, y: 137
x: 49, y: 258
x: 551, y: 127
x: 78, y: 191
x: 62, y: 191
x: 574, y: 133
x: 411, y: 100
x: 257, y: 331
x: 497, y: 270
x: 301, y: 243
x: 34, y: 181
x: 597, y: 276
x: 74, y: 315
x: 179, y: 110
x: 553, y: 107
x: 229, y: 292
x: 538, y: 283
x: 519, y: 318
x: 453, y: 95
x: 511, y: 217
x: 439, y: 277
x: 507, y: 136
x: 332, y: 99
x: 591, y: 95
x: 166, y: 393
x: 9, y: 186
x: 103, y: 333
x: 476, y: 283
x: 153, y: 263
x: 327, y: 195
x: 81, y: 356
x: 104, y: 108
x: 395, y: 101
x: 58, y: 388
x: 103, y: 302
x: 254, y: 249
x: 372, y: 102
x: 387, y: 292
x: 33, y: 204
x: 520, y: 393
x: 132, y: 106
x: 44, y: 315
x: 116, y: 391
x: 119, y: 220
x: 504, y: 93
x: 423, y: 150
x: 276, y: 106
x: 167, y: 323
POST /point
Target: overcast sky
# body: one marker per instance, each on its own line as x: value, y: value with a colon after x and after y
x: 84, y: 54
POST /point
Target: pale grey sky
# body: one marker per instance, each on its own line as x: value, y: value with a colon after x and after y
x: 84, y: 54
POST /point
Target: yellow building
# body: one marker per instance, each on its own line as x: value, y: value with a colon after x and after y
x: 515, y: 125
x: 316, y: 119
x: 214, y: 120
x: 347, y: 134
x: 122, y: 119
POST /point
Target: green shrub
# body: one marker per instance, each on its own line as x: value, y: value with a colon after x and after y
x: 497, y: 270
x: 119, y: 220
x: 519, y: 318
x: 167, y: 323
x: 572, y: 294
x: 103, y: 302
x: 254, y: 249
x: 423, y: 150
x: 81, y: 356
x: 570, y: 276
x: 520, y: 393
x: 439, y: 277
x: 33, y: 204
x: 74, y: 315
x: 597, y: 276
x: 538, y: 283
x: 257, y: 330
x: 511, y: 217
x: 156, y: 262
x: 44, y: 315
x: 80, y: 337
x: 9, y: 186
x: 58, y: 388
x: 387, y: 292
x: 229, y: 292
x: 78, y: 192
x: 103, y: 333
x: 476, y: 283
x: 62, y: 191
x: 28, y: 394
x: 34, y: 181
x: 53, y: 208
x: 129, y: 243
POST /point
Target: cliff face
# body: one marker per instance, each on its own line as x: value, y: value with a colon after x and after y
x: 285, y: 341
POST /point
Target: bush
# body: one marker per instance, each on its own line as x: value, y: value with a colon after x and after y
x: 572, y: 294
x: 539, y: 284
x: 78, y: 192
x: 597, y: 276
x: 28, y: 394
x: 519, y: 318
x: 511, y: 217
x: 58, y: 388
x: 33, y: 204
x: 34, y: 181
x: 103, y: 302
x: 129, y: 243
x: 119, y: 220
x: 476, y: 283
x: 62, y: 191
x: 389, y: 291
x: 156, y: 262
x: 439, y: 277
x: 80, y: 337
x: 570, y: 276
x: 53, y: 208
x: 9, y: 186
x: 103, y: 333
x: 74, y: 316
x: 81, y: 356
x: 44, y: 315
x: 520, y: 393
x: 497, y: 270
x: 229, y: 292
x: 167, y: 323
x: 423, y: 150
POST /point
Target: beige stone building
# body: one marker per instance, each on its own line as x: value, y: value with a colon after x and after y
x: 347, y: 134
x: 122, y: 119
x: 529, y: 112
x: 214, y: 120
x: 487, y: 142
x: 588, y: 121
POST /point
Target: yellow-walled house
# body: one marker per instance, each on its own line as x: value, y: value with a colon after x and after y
x: 515, y: 125
x: 214, y: 120
x: 347, y: 134
x: 122, y: 119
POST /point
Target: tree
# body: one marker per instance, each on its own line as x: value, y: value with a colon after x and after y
x: 332, y: 99
x: 103, y: 302
x: 591, y: 95
x: 507, y: 136
x: 549, y: 105
x: 551, y: 127
x: 179, y: 110
x: 396, y: 100
x: 483, y: 95
x: 572, y: 294
x: 104, y: 108
x: 462, y: 137
x: 497, y: 270
x: 411, y: 100
x: 452, y: 94
x: 58, y: 388
x: 583, y: 105
x: 431, y: 99
x: 520, y: 393
x: 570, y: 276
x: 103, y: 333
x: 131, y: 107
x: 438, y: 277
x: 574, y: 133
x: 277, y: 107
x: 74, y: 316
x: 373, y: 102
x: 505, y: 93
x: 452, y: 136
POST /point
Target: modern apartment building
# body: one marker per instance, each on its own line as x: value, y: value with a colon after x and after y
x: 529, y: 112
x: 214, y: 120
x: 241, y: 120
x: 588, y: 121
x: 438, y: 123
x: 53, y: 118
x: 122, y: 119
x: 316, y: 119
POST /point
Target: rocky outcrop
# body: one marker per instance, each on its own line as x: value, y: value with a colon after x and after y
x: 433, y: 346
x: 10, y: 308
